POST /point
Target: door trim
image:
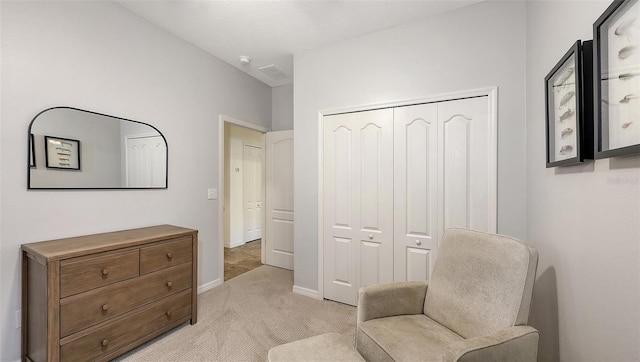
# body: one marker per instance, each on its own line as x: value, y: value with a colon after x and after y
x: 221, y: 121
x: 490, y: 92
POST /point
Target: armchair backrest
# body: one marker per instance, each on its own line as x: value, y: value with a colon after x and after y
x: 481, y: 283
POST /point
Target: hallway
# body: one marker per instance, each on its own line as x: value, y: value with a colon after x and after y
x: 242, y: 259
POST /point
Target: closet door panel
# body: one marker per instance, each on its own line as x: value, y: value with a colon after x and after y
x: 341, y: 179
x: 418, y: 264
x: 468, y: 153
x: 415, y: 187
x: 370, y: 263
x: 456, y: 164
x: 374, y: 180
x: 371, y: 178
x: 358, y: 202
x: 340, y: 229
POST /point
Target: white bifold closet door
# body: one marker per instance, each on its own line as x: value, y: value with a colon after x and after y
x: 394, y: 180
x: 443, y: 155
x: 358, y: 202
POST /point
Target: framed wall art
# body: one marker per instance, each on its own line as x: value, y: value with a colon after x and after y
x: 569, y: 113
x: 62, y: 153
x: 616, y: 36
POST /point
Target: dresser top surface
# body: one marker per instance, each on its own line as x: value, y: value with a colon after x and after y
x: 88, y: 244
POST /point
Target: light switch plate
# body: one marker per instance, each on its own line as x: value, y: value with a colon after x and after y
x: 212, y: 194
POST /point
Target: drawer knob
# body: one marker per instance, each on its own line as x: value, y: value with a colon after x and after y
x: 169, y: 284
x: 370, y: 236
x: 418, y: 242
x: 168, y: 313
x: 169, y: 256
x: 105, y: 342
x: 105, y: 271
x: 105, y: 307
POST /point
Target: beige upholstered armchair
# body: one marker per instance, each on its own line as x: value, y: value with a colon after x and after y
x: 475, y: 307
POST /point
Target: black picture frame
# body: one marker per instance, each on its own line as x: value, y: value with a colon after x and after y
x: 32, y: 151
x: 568, y: 105
x: 62, y: 153
x: 616, y: 73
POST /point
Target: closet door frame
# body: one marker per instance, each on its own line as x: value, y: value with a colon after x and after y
x: 492, y: 99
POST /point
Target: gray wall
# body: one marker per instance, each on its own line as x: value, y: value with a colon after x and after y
x: 475, y: 47
x: 584, y: 220
x: 101, y: 57
x: 282, y: 109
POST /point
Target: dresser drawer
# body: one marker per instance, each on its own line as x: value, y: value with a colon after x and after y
x: 83, y: 310
x: 115, y: 335
x: 164, y: 255
x: 82, y: 274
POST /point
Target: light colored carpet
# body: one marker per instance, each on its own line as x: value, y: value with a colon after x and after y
x: 246, y: 316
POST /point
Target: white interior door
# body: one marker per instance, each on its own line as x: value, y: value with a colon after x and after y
x: 416, y: 233
x: 358, y: 202
x: 466, y: 143
x: 278, y: 241
x: 146, y: 161
x: 252, y: 192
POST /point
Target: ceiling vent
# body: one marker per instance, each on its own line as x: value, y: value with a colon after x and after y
x: 274, y: 72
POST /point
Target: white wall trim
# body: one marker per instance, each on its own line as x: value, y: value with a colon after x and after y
x: 236, y: 243
x: 321, y: 114
x: 306, y: 292
x: 221, y: 120
x: 492, y: 193
x: 490, y: 92
x: 208, y: 286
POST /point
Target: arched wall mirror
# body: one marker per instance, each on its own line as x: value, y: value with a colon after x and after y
x: 71, y: 148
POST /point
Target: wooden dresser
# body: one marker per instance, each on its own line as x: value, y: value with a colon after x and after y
x: 98, y: 296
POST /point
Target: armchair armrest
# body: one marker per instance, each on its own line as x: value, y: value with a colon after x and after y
x: 518, y: 343
x: 385, y: 300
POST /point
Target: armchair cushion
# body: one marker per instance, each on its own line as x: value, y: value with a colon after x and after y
x: 420, y: 338
x: 518, y: 343
x: 404, y: 338
x: 481, y: 283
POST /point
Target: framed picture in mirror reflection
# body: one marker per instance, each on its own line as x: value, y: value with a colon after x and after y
x: 62, y: 153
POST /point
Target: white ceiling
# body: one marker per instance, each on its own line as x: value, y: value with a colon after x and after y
x: 270, y: 32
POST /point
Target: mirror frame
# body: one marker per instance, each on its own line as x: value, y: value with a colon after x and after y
x: 30, y: 145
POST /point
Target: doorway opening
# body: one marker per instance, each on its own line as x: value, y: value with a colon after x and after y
x: 241, y: 208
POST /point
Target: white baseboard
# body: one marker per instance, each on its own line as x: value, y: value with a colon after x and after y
x: 208, y: 286
x: 236, y: 243
x: 306, y: 292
